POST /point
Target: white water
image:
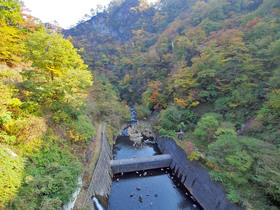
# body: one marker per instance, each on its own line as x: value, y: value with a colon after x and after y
x: 97, y: 204
x: 71, y: 204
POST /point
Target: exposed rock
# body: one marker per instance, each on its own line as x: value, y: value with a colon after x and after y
x: 53, y: 27
x: 131, y: 194
x: 140, y: 198
x: 135, y: 136
x: 11, y: 152
x: 139, y: 131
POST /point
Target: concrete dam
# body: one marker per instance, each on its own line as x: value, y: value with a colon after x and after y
x: 209, y: 194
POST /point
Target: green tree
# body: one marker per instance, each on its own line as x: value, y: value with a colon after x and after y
x: 206, y: 69
x: 181, y: 87
x: 11, y: 167
x: 206, y: 127
x: 11, y: 44
x: 58, y: 70
x: 53, y: 54
x: 10, y: 12
x: 174, y: 119
x: 183, y: 47
x: 198, y: 12
x: 267, y: 174
x: 238, y: 160
x: 142, y: 111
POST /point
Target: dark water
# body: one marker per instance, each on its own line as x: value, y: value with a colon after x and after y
x: 154, y: 189
x: 124, y: 149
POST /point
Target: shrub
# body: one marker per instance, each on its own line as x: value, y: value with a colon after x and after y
x: 241, y: 160
x: 142, y: 111
x: 11, y: 167
x: 83, y: 129
x: 174, y: 119
x: 226, y: 128
x: 7, y: 139
x: 5, y: 117
x: 206, y: 127
x: 28, y: 131
x: 51, y: 177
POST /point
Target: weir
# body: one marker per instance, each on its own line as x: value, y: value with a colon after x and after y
x: 209, y: 194
x: 139, y: 164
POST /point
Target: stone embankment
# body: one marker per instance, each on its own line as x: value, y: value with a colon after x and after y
x: 210, y: 194
x: 101, y: 182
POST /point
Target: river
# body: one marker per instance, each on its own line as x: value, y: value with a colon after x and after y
x: 153, y: 189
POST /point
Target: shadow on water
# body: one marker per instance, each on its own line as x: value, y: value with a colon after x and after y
x: 124, y: 148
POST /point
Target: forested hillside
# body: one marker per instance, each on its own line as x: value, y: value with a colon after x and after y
x: 49, y: 103
x: 210, y: 68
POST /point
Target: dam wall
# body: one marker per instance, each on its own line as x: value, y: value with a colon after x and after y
x: 101, y: 182
x: 210, y: 195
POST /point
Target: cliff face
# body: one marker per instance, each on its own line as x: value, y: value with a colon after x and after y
x: 118, y: 22
x: 99, y: 25
x: 53, y: 28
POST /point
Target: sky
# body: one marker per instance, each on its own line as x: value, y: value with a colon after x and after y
x: 66, y: 12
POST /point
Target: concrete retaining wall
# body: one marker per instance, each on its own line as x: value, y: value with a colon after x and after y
x: 139, y: 164
x: 101, y: 182
x: 210, y: 194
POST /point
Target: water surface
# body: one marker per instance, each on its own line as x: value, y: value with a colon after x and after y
x: 153, y: 189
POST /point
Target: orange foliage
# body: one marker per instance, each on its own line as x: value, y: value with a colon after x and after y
x: 156, y: 92
x: 252, y: 23
x: 275, y: 11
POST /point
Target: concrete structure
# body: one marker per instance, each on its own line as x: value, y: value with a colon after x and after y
x: 101, y: 182
x: 139, y: 164
x: 210, y: 194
